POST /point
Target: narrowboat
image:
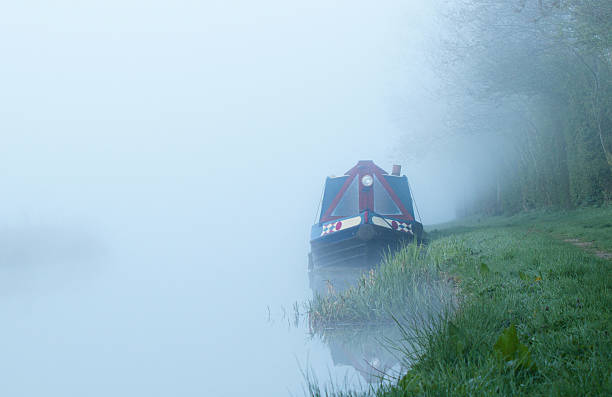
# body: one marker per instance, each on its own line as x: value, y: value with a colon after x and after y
x: 362, y: 214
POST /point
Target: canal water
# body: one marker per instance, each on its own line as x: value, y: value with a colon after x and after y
x: 160, y: 167
x: 158, y: 311
x: 150, y: 278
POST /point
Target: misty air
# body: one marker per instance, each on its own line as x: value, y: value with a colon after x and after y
x: 233, y: 198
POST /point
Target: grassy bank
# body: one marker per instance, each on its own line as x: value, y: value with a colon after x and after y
x: 535, y: 316
x: 586, y: 224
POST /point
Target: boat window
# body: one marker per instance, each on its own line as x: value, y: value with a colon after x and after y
x: 331, y: 190
x: 349, y: 203
x: 383, y: 203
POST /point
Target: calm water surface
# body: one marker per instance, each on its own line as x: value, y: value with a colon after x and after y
x: 152, y: 311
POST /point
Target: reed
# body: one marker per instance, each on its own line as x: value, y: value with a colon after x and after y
x: 407, y: 282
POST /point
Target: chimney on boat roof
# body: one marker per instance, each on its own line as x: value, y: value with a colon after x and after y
x: 397, y: 169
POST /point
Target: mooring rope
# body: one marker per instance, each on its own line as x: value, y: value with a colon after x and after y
x: 415, y: 203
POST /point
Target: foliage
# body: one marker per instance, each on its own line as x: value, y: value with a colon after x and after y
x: 512, y: 351
x: 533, y: 98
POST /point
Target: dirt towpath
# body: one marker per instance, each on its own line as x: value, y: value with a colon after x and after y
x: 588, y: 246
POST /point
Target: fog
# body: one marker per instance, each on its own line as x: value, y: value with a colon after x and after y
x: 161, y: 164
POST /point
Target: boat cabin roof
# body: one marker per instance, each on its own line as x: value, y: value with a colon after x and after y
x: 366, y: 187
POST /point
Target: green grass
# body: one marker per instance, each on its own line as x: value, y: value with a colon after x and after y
x: 515, y: 274
x: 590, y: 224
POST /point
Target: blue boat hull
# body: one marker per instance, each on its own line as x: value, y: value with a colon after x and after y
x: 359, y: 246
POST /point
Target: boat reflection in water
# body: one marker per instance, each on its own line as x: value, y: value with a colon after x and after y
x: 364, y: 349
x: 368, y: 349
x: 335, y: 279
